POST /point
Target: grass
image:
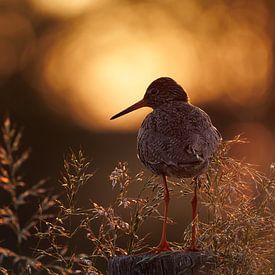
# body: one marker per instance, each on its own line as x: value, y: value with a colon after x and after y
x: 238, y: 228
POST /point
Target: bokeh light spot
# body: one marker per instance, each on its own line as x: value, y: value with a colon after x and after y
x: 61, y: 8
x: 260, y: 147
x: 94, y: 68
x: 14, y: 40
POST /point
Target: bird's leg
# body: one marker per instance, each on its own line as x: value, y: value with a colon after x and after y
x: 164, y: 245
x: 194, y: 203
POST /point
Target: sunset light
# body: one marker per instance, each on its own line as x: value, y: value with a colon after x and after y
x: 103, y: 75
x: 61, y: 8
x: 137, y: 136
x: 101, y: 56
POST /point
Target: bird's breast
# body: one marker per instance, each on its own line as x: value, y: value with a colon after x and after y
x: 177, y: 140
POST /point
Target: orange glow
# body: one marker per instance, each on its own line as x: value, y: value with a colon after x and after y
x: 103, y: 63
x: 13, y: 41
x: 61, y: 8
x: 260, y: 148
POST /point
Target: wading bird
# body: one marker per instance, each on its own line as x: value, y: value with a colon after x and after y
x: 176, y: 139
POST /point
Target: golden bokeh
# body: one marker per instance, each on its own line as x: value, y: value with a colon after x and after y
x: 103, y: 62
x: 260, y: 147
x: 14, y: 41
x: 61, y: 8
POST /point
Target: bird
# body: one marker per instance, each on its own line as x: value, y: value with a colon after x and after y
x: 177, y: 139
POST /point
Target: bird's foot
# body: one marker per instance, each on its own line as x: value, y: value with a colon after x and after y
x: 162, y: 247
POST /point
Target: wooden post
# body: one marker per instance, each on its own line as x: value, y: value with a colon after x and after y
x: 166, y: 263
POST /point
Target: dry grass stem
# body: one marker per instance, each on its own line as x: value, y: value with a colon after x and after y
x: 235, y: 225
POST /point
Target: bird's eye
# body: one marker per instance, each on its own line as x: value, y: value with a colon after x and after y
x: 154, y: 91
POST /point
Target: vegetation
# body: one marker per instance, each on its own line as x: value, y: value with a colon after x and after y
x: 238, y: 229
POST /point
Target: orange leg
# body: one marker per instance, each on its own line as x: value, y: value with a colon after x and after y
x: 194, y: 203
x: 163, y: 245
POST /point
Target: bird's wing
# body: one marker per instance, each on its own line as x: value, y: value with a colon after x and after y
x: 182, y: 136
x: 159, y: 148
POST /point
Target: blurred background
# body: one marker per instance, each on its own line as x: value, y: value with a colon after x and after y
x: 67, y: 66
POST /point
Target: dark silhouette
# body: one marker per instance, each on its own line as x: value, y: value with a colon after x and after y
x: 176, y: 139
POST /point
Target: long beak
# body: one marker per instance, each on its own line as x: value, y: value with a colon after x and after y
x: 139, y: 104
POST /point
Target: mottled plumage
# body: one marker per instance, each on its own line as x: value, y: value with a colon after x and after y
x: 175, y: 139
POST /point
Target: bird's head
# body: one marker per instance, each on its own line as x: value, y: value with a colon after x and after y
x: 159, y: 92
x: 163, y: 90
